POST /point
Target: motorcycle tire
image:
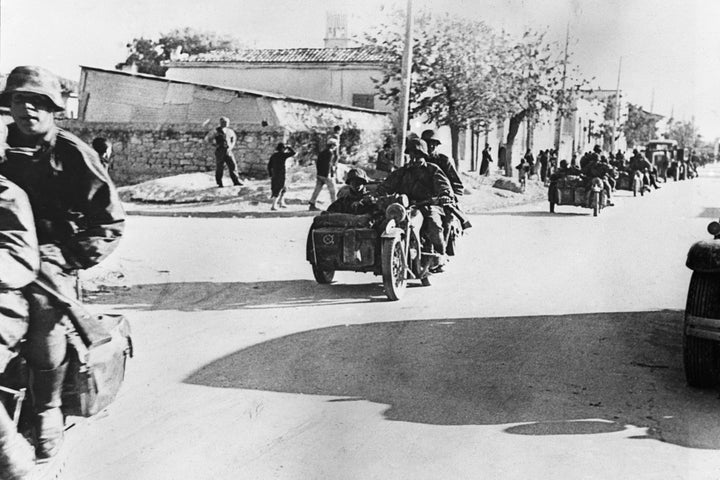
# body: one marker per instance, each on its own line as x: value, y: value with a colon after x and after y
x: 701, y: 356
x: 394, y: 267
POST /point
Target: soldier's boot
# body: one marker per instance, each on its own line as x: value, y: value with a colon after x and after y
x: 49, y: 425
x: 17, y: 458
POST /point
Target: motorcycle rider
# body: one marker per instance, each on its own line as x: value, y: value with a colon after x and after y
x: 638, y: 163
x: 79, y: 221
x: 422, y: 181
x: 442, y: 161
x: 19, y: 262
x: 353, y: 197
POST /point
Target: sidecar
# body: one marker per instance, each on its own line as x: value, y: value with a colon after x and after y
x: 701, y: 332
x: 387, y: 243
x: 630, y: 181
x: 572, y: 190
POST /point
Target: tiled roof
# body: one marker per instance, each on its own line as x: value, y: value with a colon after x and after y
x: 290, y: 55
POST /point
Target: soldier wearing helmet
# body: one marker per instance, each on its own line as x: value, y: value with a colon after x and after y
x: 422, y: 181
x: 78, y: 219
x: 443, y: 161
x: 353, y: 197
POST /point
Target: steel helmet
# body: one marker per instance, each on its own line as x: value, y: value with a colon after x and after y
x: 32, y: 79
x: 357, y: 174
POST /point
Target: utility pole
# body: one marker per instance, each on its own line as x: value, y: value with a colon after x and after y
x: 405, y: 85
x: 616, y: 114
x: 561, y: 112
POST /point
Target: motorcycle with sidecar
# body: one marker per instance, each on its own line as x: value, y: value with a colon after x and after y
x: 701, y: 331
x: 387, y: 242
x: 572, y: 190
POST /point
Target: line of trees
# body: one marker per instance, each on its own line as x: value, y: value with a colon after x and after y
x: 467, y: 75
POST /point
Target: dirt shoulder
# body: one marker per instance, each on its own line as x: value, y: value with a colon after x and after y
x: 195, y: 194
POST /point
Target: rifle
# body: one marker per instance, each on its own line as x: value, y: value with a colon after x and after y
x: 90, y: 330
x: 459, y: 215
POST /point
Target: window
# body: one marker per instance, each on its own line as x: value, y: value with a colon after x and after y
x: 363, y: 100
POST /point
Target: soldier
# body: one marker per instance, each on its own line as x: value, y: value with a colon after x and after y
x: 224, y: 138
x: 19, y: 262
x: 442, y: 161
x: 353, y: 197
x: 79, y: 221
x: 422, y: 181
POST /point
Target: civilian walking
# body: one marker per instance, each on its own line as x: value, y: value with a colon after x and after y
x: 276, y: 169
x: 325, y: 164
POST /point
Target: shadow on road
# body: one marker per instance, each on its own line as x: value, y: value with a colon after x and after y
x: 573, y: 374
x: 539, y: 213
x: 193, y: 296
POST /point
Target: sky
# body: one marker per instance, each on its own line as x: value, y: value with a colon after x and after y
x: 666, y: 51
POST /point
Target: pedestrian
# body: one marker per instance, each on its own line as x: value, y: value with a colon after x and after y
x: 530, y: 161
x: 104, y: 150
x: 79, y: 221
x: 337, y: 133
x: 486, y: 160
x: 543, y: 159
x: 224, y: 139
x: 324, y: 166
x: 276, y: 169
x: 385, y: 158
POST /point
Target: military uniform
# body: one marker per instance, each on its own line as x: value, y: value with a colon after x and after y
x: 79, y: 221
x: 422, y: 182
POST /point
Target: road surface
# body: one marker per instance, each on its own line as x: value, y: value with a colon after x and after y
x: 551, y: 348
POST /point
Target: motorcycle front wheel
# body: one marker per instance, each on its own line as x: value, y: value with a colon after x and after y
x: 394, y: 267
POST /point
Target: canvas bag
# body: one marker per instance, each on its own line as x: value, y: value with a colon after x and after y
x: 95, y: 374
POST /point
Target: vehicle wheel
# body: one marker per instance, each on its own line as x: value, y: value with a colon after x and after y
x: 425, y: 281
x: 393, y: 267
x: 323, y: 276
x: 701, y: 356
x: 596, y: 203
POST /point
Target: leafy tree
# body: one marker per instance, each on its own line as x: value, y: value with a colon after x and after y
x: 685, y: 134
x: 530, y: 73
x: 451, y: 78
x: 148, y: 54
x: 640, y: 126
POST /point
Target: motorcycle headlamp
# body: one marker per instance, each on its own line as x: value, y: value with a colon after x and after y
x: 396, y: 212
x: 714, y: 228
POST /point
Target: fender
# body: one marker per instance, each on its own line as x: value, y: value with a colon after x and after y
x: 391, y: 230
x: 704, y: 256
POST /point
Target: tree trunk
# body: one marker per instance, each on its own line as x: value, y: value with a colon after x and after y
x: 473, y: 156
x: 454, y: 142
x: 515, y: 122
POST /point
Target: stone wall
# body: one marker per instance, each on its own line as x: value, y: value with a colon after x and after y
x: 145, y: 151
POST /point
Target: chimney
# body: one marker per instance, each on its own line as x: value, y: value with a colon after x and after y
x: 336, y: 30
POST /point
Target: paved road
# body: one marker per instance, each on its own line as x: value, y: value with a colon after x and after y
x: 550, y: 349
